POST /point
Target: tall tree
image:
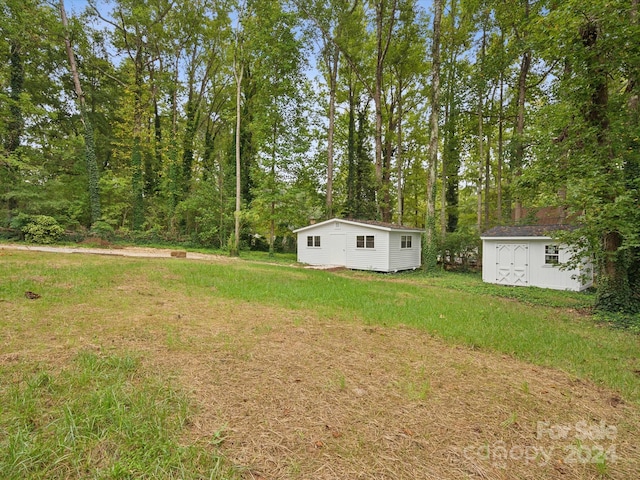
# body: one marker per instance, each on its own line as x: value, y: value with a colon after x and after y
x: 406, y: 74
x: 525, y: 66
x: 134, y: 25
x: 90, y: 152
x: 238, y: 72
x: 14, y: 129
x: 385, y: 19
x: 430, y: 223
x: 592, y: 135
x: 329, y: 18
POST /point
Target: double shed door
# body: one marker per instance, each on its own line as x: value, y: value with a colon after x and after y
x: 512, y: 264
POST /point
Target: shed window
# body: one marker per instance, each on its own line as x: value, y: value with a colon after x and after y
x: 405, y: 241
x: 313, y: 241
x: 551, y: 254
x: 363, y: 241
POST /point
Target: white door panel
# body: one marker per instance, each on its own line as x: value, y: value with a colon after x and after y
x: 512, y: 264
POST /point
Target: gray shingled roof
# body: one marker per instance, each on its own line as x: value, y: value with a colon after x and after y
x: 393, y: 226
x: 526, y: 230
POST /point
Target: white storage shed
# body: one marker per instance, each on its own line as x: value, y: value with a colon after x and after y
x: 527, y: 255
x: 360, y: 245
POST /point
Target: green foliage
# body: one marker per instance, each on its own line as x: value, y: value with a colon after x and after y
x: 203, y: 215
x: 614, y: 291
x: 115, y: 191
x: 208, y: 235
x: 102, y: 229
x: 20, y: 221
x: 626, y: 321
x: 589, y: 133
x: 42, y: 229
x: 430, y: 247
x: 459, y: 248
x: 92, y: 168
x: 137, y: 198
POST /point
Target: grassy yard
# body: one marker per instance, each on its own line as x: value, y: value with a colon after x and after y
x: 167, y: 368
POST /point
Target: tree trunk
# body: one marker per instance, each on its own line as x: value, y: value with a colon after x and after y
x: 383, y: 40
x: 451, y: 155
x: 152, y: 183
x: 137, y: 181
x: 525, y: 66
x: 500, y: 141
x: 351, y: 154
x: 188, y: 141
x: 90, y: 153
x: 614, y: 292
x: 430, y: 223
x: 332, y: 64
x: 487, y: 180
x: 235, y: 249
x: 377, y: 94
x: 443, y: 170
x: 480, y: 131
x: 386, y: 166
x: 399, y: 160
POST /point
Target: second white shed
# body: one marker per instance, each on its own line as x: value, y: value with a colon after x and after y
x: 528, y: 256
x: 360, y: 245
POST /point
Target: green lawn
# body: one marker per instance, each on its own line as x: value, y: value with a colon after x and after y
x: 65, y: 422
x: 527, y: 323
x: 458, y: 308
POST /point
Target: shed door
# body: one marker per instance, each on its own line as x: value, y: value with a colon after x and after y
x: 338, y: 249
x: 512, y: 264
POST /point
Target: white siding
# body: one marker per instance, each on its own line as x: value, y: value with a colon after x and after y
x: 551, y: 276
x: 404, y: 258
x: 538, y: 273
x: 338, y: 247
x: 316, y: 255
x: 376, y: 258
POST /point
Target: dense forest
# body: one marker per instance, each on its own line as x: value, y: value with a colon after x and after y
x: 228, y: 123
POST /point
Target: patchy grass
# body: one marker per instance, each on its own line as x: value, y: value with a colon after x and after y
x: 258, y: 370
x: 547, y: 336
x: 99, y: 417
x: 472, y: 283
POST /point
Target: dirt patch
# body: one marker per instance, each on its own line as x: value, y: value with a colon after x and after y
x: 120, y: 251
x: 295, y: 397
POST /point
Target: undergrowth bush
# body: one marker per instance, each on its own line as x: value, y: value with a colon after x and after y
x: 460, y: 249
x: 623, y: 321
x: 42, y: 229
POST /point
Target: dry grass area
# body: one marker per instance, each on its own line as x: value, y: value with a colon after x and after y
x: 292, y: 395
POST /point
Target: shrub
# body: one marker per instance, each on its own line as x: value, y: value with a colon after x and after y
x: 103, y: 230
x: 460, y: 249
x: 20, y: 221
x: 42, y: 229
